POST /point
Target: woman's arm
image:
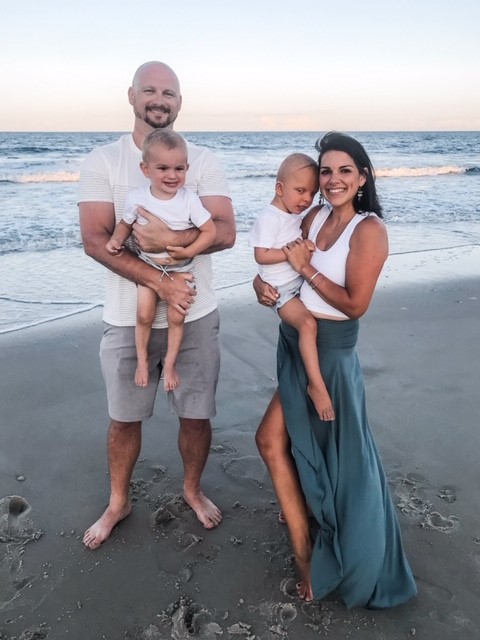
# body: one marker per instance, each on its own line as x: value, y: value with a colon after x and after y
x: 368, y: 252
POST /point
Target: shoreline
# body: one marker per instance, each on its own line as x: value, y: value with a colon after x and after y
x: 158, y: 578
x: 425, y: 266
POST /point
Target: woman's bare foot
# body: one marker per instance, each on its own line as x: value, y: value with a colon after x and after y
x: 141, y: 374
x: 102, y: 528
x: 207, y: 513
x: 322, y: 402
x: 304, y: 586
x: 304, y: 592
x: 170, y: 376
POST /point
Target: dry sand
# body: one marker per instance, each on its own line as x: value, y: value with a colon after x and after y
x: 161, y: 575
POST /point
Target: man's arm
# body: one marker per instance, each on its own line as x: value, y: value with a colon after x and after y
x: 221, y: 210
x: 155, y: 236
x: 97, y: 221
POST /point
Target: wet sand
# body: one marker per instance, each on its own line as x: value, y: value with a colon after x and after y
x: 161, y: 575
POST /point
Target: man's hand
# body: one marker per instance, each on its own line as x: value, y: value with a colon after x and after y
x: 175, y: 291
x: 155, y: 235
x: 266, y: 294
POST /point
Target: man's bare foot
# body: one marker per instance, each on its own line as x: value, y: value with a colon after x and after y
x: 304, y: 586
x: 170, y: 376
x: 102, y: 528
x: 208, y: 513
x: 322, y: 402
x: 141, y: 374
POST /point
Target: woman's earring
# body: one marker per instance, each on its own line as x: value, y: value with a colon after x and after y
x: 321, y: 199
x: 359, y: 194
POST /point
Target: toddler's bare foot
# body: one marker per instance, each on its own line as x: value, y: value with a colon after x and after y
x: 102, y: 528
x: 141, y: 374
x: 208, y: 513
x: 322, y: 402
x: 170, y: 376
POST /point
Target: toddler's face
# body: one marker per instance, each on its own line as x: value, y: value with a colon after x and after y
x: 166, y: 169
x: 297, y: 191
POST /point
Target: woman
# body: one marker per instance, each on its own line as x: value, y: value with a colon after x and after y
x: 335, y: 471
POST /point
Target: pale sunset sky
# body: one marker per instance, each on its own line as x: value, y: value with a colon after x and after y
x: 66, y: 65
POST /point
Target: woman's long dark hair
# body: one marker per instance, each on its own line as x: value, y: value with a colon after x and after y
x: 335, y: 141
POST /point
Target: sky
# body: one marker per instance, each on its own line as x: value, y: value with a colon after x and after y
x: 244, y: 65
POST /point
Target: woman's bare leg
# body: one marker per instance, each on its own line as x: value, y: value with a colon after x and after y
x: 274, y: 446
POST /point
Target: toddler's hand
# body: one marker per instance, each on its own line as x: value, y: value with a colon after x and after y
x: 114, y: 249
x: 178, y: 253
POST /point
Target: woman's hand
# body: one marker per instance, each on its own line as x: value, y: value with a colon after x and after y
x: 299, y: 253
x: 266, y: 294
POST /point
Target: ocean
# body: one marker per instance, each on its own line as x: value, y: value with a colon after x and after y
x: 428, y: 182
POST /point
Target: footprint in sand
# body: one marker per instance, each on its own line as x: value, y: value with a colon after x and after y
x: 191, y: 619
x: 161, y: 517
x: 288, y: 587
x: 223, y: 449
x: 15, y: 526
x: 16, y: 530
x: 475, y: 556
x: 246, y: 469
x: 412, y: 502
x: 286, y: 612
x: 448, y: 494
x: 445, y: 524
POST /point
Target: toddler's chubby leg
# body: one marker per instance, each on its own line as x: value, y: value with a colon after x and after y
x: 299, y: 317
x: 175, y: 336
x: 146, y: 307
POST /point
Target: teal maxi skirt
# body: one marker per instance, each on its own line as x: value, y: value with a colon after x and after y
x: 358, y: 548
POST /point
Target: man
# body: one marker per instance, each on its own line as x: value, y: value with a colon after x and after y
x: 109, y: 172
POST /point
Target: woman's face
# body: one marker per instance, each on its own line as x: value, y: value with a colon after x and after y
x: 339, y: 178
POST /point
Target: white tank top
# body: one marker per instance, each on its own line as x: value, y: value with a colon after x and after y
x: 331, y: 263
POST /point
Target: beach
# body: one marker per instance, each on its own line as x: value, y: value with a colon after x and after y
x: 161, y: 574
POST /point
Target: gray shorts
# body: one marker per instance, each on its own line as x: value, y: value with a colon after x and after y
x: 198, y: 365
x: 287, y: 292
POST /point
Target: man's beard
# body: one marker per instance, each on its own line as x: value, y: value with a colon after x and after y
x: 155, y: 124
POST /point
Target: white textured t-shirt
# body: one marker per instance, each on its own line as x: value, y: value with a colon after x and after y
x: 108, y: 174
